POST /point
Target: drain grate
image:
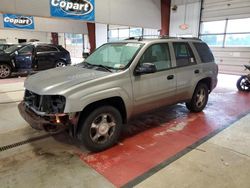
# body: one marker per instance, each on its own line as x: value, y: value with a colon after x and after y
x: 29, y: 140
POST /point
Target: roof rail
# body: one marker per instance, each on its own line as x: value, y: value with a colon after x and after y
x: 140, y: 38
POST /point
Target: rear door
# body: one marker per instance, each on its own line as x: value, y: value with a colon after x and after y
x: 187, y: 70
x: 156, y: 89
x: 46, y: 57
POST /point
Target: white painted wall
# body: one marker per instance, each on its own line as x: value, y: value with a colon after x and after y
x: 101, y: 34
x: 12, y: 35
x: 191, y: 17
x: 143, y: 13
x: 56, y: 25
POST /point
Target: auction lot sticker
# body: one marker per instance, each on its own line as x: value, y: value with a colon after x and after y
x: 18, y: 21
x: 73, y: 9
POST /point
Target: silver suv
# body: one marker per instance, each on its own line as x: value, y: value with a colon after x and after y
x: 119, y: 80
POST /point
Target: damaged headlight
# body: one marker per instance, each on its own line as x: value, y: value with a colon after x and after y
x: 52, y: 104
x: 47, y: 104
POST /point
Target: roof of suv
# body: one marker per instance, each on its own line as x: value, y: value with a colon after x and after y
x: 160, y: 39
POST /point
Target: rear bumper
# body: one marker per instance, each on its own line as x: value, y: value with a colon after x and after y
x: 46, y: 123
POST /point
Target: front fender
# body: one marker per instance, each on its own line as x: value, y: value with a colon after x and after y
x: 74, y: 103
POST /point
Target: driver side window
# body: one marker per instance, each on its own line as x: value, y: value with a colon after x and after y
x: 157, y: 54
x: 27, y: 50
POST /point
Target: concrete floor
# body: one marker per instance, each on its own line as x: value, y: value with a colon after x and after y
x: 59, y: 161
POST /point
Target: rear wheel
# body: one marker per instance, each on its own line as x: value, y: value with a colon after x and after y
x: 60, y: 64
x: 243, y: 84
x: 5, y: 71
x: 101, y: 129
x: 199, y: 99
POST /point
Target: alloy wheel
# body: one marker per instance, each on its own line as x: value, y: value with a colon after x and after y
x: 102, y: 128
x: 4, y: 71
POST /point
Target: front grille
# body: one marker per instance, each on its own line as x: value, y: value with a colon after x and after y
x: 32, y: 99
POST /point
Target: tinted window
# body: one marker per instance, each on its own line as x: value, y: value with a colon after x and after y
x: 157, y: 54
x: 183, y: 53
x: 204, y: 52
x: 46, y: 49
x: 26, y: 50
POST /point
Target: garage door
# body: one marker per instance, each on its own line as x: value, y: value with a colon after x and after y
x: 225, y: 27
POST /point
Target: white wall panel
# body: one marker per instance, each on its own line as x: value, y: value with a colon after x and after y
x: 191, y: 17
x: 231, y: 60
x: 101, y: 34
x: 60, y: 26
x: 56, y: 25
x: 143, y: 13
x: 12, y: 36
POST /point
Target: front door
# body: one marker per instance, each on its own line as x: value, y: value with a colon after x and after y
x: 155, y: 89
x: 24, y: 58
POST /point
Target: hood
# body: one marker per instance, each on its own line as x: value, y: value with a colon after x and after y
x: 56, y: 81
x: 4, y: 56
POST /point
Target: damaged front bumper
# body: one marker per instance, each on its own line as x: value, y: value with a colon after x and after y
x: 51, y: 123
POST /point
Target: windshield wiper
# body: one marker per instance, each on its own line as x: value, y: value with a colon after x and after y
x: 104, y: 67
x: 101, y: 66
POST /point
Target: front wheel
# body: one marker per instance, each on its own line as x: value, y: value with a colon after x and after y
x: 5, y: 71
x: 199, y: 99
x: 101, y: 129
x: 243, y: 84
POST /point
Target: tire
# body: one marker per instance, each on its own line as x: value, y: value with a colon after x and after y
x: 243, y: 84
x: 101, y: 129
x: 199, y: 99
x: 60, y: 64
x: 5, y: 71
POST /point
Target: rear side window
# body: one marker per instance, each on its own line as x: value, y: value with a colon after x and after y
x: 204, y: 52
x: 46, y: 49
x: 183, y: 53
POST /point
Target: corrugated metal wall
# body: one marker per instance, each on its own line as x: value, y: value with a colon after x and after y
x: 229, y: 59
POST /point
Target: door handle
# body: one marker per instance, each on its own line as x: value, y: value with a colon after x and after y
x: 197, y: 71
x: 170, y: 77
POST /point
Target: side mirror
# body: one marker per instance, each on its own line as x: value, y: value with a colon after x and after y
x: 16, y: 53
x: 85, y: 55
x: 145, y: 68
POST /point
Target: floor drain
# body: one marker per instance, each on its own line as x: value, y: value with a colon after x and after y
x: 17, y: 144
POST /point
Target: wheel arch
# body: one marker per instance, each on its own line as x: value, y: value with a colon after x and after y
x: 207, y: 81
x: 116, y: 102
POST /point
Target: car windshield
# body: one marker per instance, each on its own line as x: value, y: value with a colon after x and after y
x: 12, y: 49
x: 115, y: 56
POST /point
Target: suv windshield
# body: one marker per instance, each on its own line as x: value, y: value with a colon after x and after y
x: 12, y: 49
x: 113, y: 55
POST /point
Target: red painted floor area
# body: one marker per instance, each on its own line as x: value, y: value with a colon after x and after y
x: 153, y: 138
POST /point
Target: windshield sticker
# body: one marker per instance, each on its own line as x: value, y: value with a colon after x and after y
x: 133, y: 45
x: 119, y: 66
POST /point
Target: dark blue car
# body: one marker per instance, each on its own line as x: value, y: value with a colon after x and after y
x: 32, y: 57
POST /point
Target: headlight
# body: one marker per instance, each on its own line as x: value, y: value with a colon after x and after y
x: 47, y: 104
x: 52, y: 104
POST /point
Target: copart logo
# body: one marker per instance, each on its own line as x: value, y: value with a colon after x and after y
x: 74, y: 7
x: 19, y: 21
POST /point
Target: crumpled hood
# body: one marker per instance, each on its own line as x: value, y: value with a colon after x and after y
x: 4, y: 56
x: 55, y: 81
